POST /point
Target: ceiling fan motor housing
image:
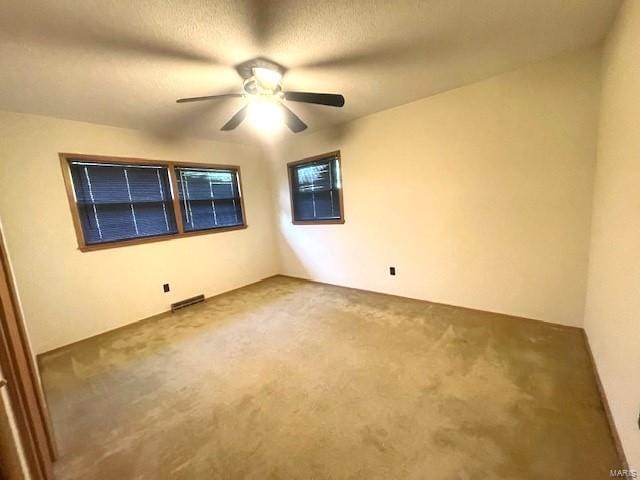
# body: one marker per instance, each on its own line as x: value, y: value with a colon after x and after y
x: 245, y: 69
x: 252, y: 86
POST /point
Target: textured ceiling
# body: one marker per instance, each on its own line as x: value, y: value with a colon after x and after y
x: 124, y: 63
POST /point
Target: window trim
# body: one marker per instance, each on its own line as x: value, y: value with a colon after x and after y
x: 66, y: 158
x: 292, y: 165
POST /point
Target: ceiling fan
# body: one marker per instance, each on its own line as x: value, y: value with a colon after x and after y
x: 263, y: 90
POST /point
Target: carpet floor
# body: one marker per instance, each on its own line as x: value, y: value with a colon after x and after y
x: 288, y: 379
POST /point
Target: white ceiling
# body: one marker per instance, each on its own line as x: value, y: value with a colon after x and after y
x: 124, y: 63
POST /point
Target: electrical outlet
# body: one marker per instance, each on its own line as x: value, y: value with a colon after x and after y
x: 165, y: 287
x: 392, y: 271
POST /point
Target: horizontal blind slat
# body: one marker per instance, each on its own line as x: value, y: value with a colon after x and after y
x: 107, y: 194
x: 209, y: 198
x: 316, y: 190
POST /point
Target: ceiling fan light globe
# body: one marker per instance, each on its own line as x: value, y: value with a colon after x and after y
x: 266, y: 115
x: 267, y: 78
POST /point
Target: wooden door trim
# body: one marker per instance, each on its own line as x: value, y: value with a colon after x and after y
x: 22, y: 382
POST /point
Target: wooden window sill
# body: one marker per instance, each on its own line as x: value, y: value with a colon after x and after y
x: 159, y: 238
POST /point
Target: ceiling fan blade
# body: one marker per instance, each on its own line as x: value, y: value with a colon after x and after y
x: 236, y: 119
x: 293, y: 121
x: 210, y: 97
x: 330, y: 99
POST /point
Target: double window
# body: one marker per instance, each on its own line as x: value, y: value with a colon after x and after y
x: 117, y: 201
x: 316, y: 190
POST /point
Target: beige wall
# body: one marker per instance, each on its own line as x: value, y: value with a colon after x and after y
x: 480, y: 196
x: 68, y: 295
x: 612, y: 317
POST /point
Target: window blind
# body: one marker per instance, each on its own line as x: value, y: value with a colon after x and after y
x: 316, y: 190
x: 120, y: 202
x: 209, y: 198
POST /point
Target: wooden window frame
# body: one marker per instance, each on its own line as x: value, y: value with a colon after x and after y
x: 292, y: 165
x: 66, y: 158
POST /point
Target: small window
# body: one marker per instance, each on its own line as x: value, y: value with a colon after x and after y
x: 209, y: 198
x: 316, y: 190
x: 119, y: 201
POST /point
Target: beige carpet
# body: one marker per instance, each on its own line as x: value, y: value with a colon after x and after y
x: 288, y: 379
